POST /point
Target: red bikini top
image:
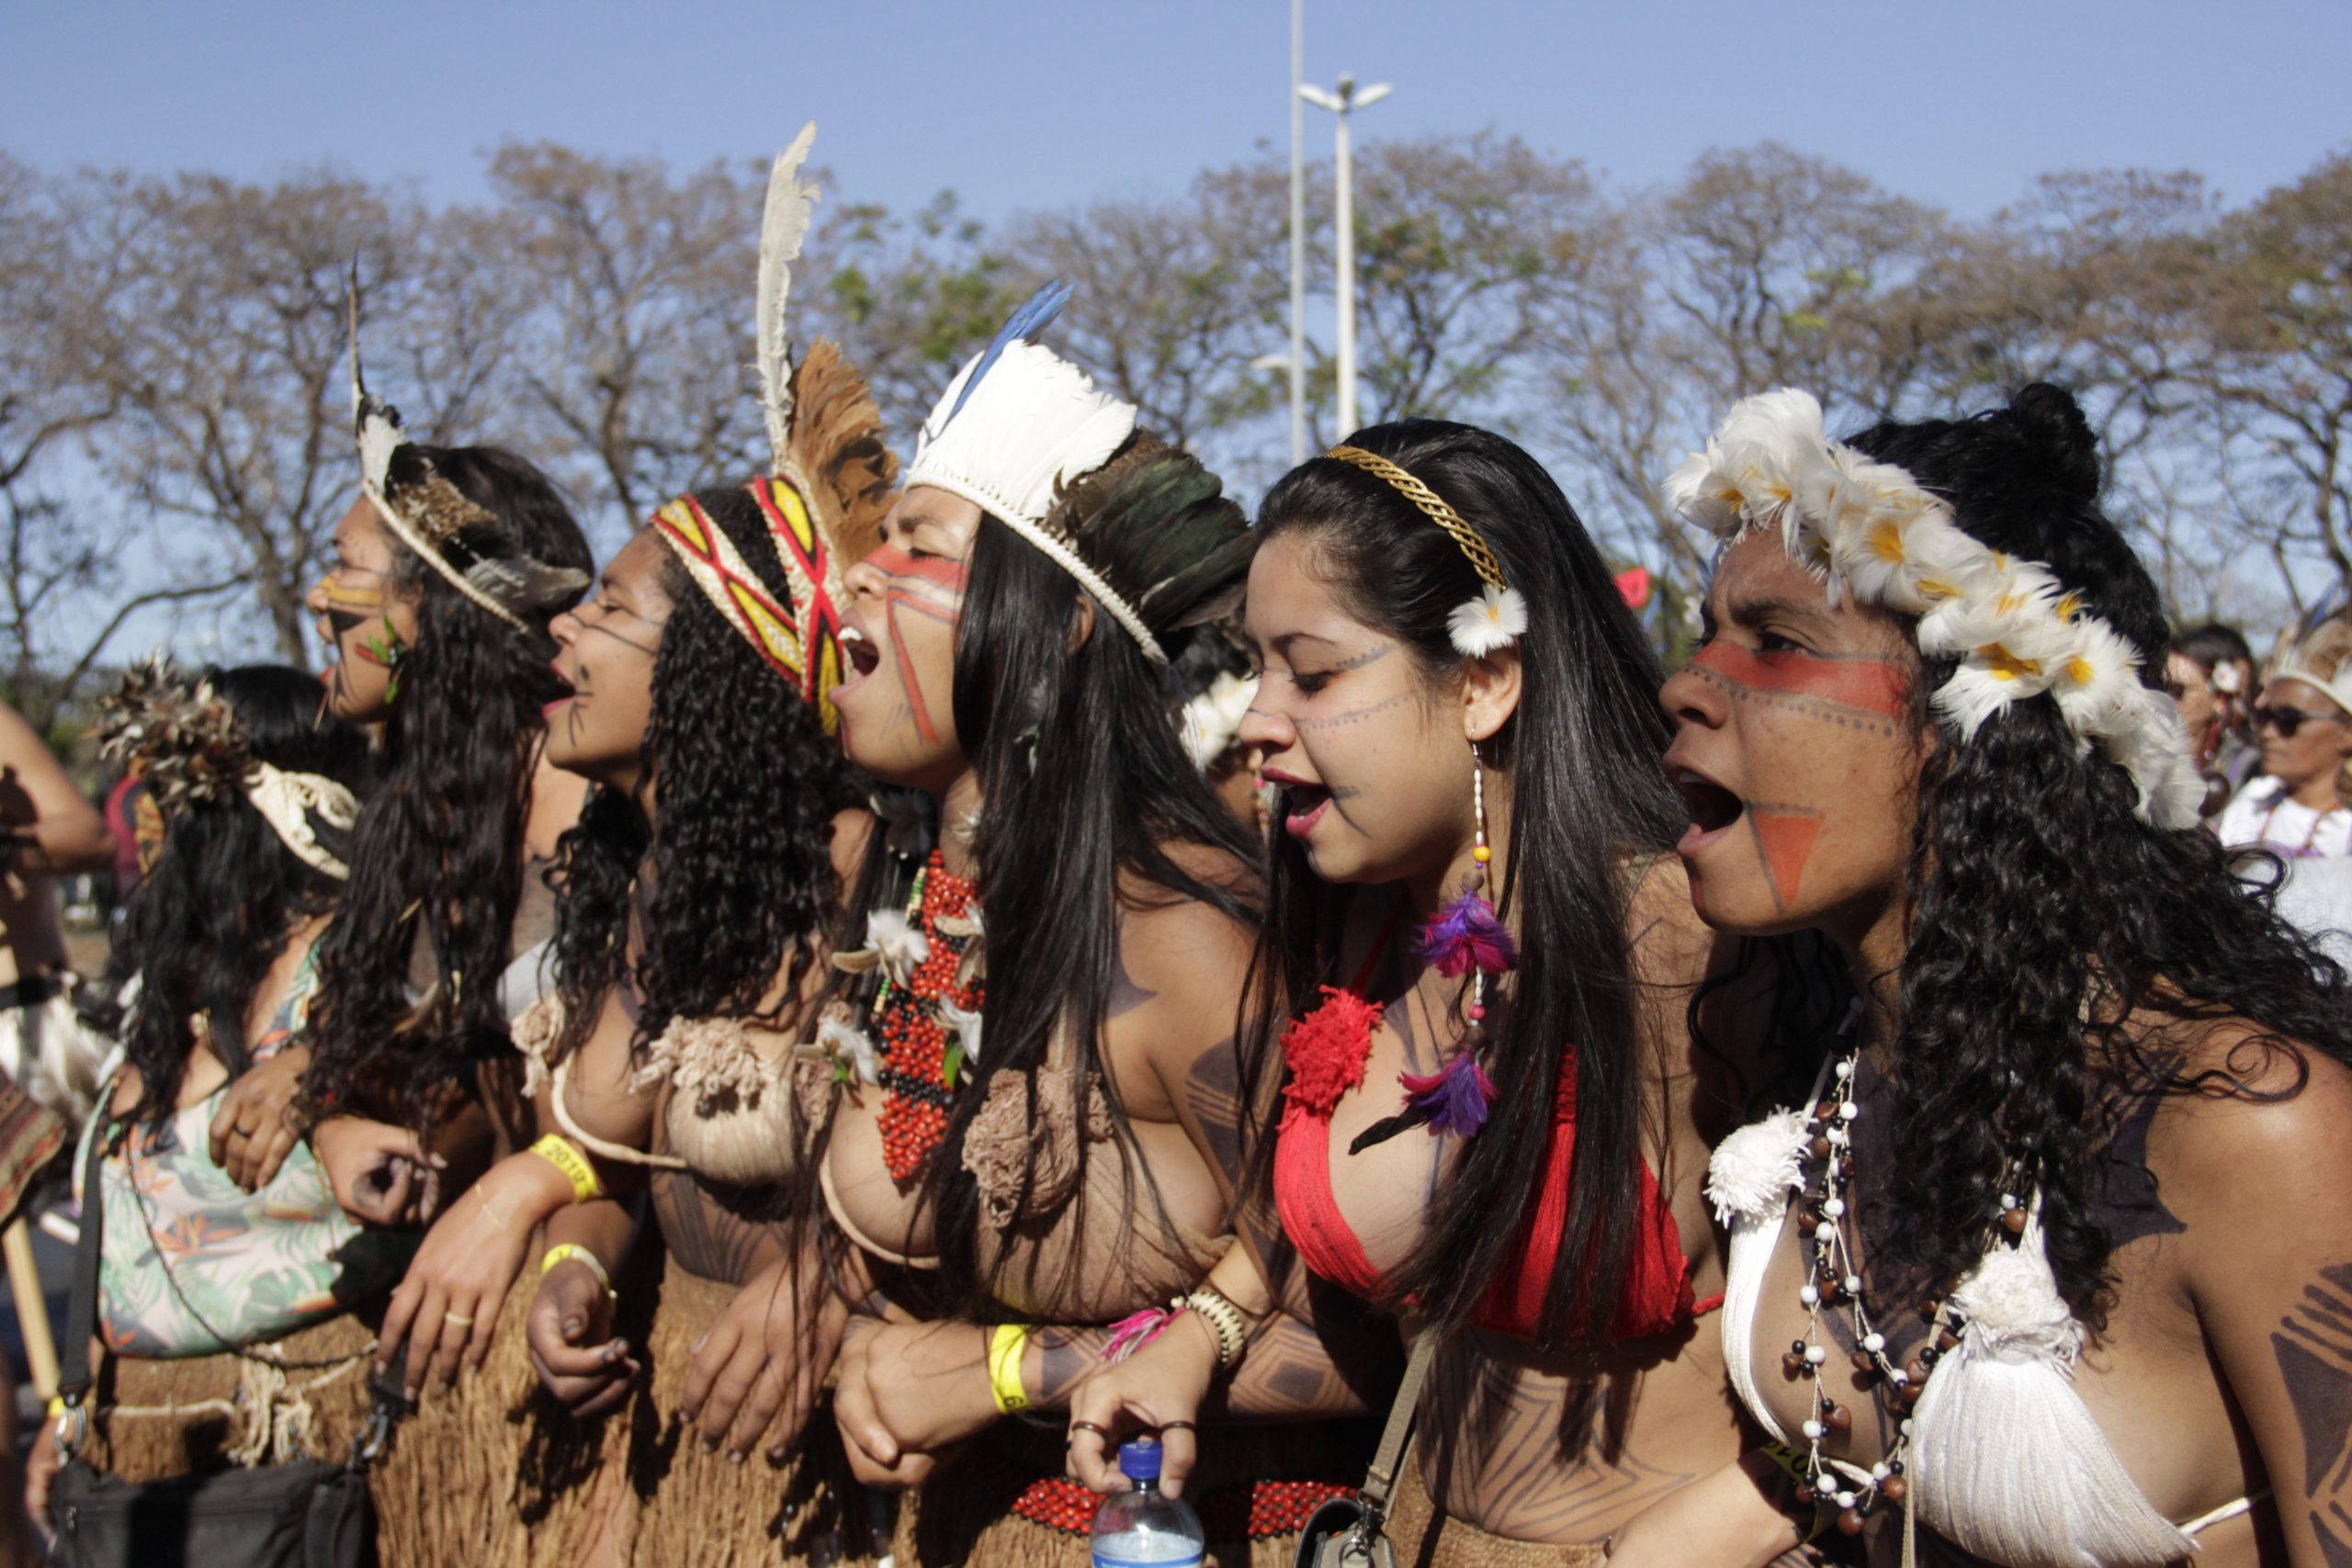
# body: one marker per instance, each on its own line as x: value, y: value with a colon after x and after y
x: 1326, y: 1051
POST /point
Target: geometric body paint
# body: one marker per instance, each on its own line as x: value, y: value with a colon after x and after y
x: 931, y: 588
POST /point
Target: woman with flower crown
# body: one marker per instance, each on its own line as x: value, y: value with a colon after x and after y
x: 2051, y: 1265
x: 1497, y: 1114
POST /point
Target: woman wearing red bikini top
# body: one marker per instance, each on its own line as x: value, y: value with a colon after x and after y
x: 1480, y: 963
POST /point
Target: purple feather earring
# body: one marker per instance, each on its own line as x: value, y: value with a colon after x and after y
x: 1466, y: 938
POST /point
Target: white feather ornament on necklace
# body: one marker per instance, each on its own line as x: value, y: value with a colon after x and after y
x: 1491, y: 622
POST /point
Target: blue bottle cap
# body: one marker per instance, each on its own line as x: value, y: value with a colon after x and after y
x: 1139, y: 1461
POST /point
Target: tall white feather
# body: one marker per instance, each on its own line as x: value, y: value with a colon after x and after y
x: 791, y: 203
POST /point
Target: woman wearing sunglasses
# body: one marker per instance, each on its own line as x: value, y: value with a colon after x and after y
x: 2296, y: 808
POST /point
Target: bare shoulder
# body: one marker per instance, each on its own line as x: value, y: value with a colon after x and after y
x: 853, y: 831
x: 2264, y: 1114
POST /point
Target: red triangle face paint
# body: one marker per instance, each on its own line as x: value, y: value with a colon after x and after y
x: 1784, y: 842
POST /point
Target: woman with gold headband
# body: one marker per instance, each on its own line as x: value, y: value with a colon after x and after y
x: 1036, y: 1125
x: 1479, y: 967
x: 212, y: 1297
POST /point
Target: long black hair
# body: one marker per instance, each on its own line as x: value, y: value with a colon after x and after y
x: 2049, y: 919
x: 215, y: 911
x: 738, y: 862
x: 1086, y: 788
x: 439, y: 856
x: 1589, y: 807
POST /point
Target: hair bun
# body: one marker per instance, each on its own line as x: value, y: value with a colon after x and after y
x: 2059, y: 439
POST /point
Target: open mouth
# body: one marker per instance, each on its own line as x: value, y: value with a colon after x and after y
x: 1302, y: 806
x: 863, y: 656
x: 571, y: 688
x: 1712, y: 808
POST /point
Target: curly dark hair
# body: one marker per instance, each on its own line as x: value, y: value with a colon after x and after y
x: 225, y: 893
x: 1588, y: 794
x: 1087, y: 788
x: 439, y: 854
x: 738, y: 856
x: 2049, y: 921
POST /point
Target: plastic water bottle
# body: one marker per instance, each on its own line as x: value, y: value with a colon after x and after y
x: 1144, y: 1527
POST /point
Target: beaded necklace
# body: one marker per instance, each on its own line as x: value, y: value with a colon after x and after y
x: 924, y: 1055
x: 1826, y: 1168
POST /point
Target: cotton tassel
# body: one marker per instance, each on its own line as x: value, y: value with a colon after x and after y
x: 1466, y: 935
x: 2006, y: 1461
x: 1751, y: 1172
x: 1135, y: 1331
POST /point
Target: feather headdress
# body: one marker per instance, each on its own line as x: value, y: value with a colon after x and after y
x: 2321, y: 657
x: 187, y: 742
x: 783, y: 225
x: 831, y: 473
x: 1869, y: 528
x: 427, y: 512
x: 1016, y: 427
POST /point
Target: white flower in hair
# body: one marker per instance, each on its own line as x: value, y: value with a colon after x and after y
x: 1869, y: 529
x: 1493, y: 621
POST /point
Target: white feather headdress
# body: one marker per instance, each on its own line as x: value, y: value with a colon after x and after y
x: 1017, y: 425
x: 1869, y: 528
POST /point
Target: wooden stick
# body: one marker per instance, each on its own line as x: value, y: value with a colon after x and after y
x: 32, y: 1306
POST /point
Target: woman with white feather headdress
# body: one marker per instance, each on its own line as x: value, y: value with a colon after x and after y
x: 1044, y: 1144
x: 2052, y: 1263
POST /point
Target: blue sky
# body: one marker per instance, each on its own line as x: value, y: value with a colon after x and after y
x: 1022, y: 104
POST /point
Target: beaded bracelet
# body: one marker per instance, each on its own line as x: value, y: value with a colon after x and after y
x: 1225, y: 1320
x: 556, y: 1151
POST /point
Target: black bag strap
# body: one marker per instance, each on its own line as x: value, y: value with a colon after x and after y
x: 82, y: 1315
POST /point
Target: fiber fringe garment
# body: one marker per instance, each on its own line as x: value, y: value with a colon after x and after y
x: 1426, y: 1536
x: 683, y: 1507
x: 493, y: 1473
x: 1254, y: 1490
x: 192, y: 1415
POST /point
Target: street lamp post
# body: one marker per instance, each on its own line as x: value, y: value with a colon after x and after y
x: 1342, y: 103
x: 1298, y: 237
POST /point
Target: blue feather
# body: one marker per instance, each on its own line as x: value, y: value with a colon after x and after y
x: 1034, y: 315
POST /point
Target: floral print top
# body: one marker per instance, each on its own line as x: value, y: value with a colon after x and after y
x: 250, y: 1266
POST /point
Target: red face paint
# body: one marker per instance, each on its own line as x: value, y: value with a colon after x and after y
x: 930, y: 587
x: 1783, y: 836
x: 1874, y: 686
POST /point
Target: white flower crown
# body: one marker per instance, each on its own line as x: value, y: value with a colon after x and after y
x: 1869, y: 528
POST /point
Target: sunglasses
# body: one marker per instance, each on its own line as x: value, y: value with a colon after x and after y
x: 2286, y: 721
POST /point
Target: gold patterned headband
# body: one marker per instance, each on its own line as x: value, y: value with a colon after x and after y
x: 1479, y: 627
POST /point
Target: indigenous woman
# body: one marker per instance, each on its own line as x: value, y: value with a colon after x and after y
x: 1042, y: 1133
x: 2052, y: 1265
x: 226, y: 1315
x: 698, y: 901
x: 446, y: 572
x: 1495, y: 1119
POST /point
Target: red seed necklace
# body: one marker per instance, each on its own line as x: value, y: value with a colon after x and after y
x: 923, y: 1055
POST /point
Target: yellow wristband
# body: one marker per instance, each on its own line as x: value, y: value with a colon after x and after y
x: 556, y: 1151
x: 1006, y: 1344
x: 56, y: 1406
x: 572, y: 1251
